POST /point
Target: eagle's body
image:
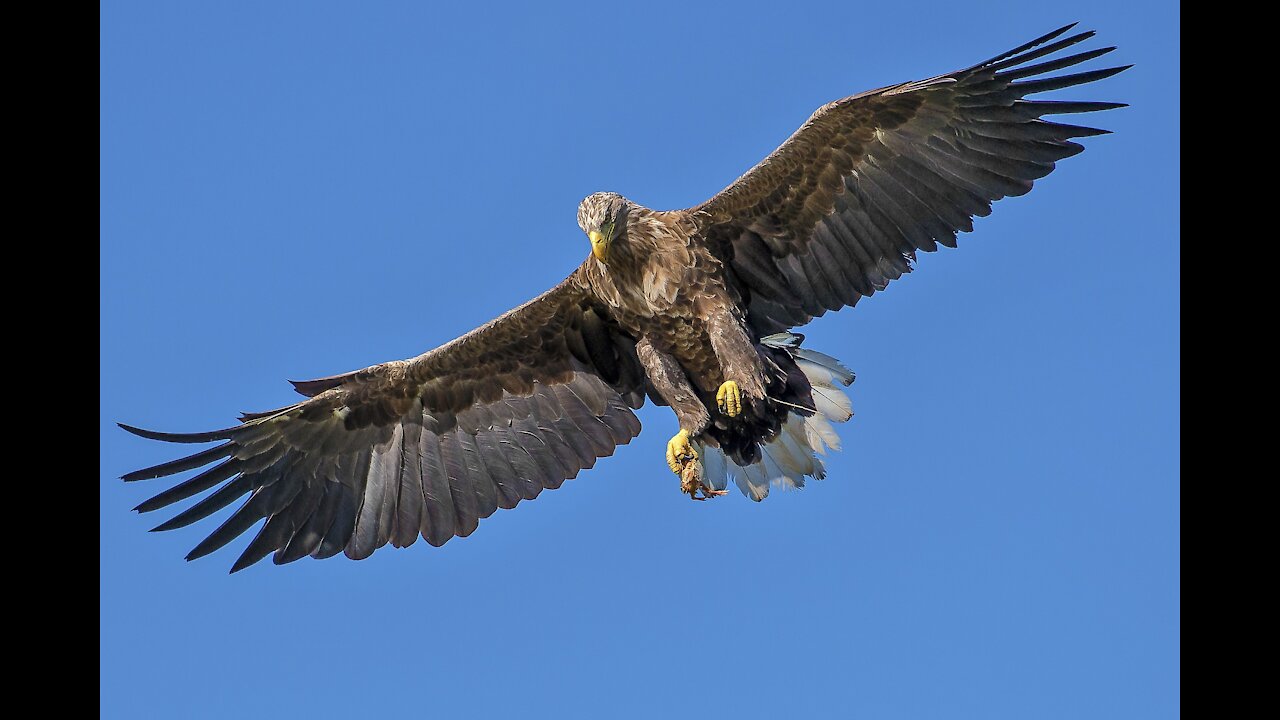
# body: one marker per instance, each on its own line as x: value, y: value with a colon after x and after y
x: 689, y: 308
x: 665, y: 287
x: 668, y: 290
x: 661, y: 285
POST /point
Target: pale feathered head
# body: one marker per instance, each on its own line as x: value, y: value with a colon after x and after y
x: 603, y: 217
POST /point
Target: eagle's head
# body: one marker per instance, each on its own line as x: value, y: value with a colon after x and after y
x: 603, y: 217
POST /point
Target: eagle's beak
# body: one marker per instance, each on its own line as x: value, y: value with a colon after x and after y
x: 599, y: 246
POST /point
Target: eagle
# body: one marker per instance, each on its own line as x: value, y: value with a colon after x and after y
x: 693, y: 309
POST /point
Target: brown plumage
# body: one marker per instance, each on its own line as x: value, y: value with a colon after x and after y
x: 691, y: 308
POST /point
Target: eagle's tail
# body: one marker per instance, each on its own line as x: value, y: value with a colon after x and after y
x: 792, y: 455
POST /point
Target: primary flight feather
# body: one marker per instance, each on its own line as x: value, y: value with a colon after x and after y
x: 690, y: 308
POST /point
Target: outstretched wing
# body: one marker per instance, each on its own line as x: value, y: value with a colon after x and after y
x: 841, y: 208
x: 426, y: 446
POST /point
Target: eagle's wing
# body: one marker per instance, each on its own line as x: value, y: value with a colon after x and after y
x: 842, y: 206
x: 424, y: 446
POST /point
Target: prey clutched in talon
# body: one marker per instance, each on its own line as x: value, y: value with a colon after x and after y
x: 729, y: 398
x: 683, y: 460
x: 691, y: 482
x: 680, y: 451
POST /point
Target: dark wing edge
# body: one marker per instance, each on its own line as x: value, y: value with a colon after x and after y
x: 423, y: 447
x: 840, y: 209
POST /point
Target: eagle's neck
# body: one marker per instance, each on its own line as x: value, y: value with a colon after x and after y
x: 646, y: 235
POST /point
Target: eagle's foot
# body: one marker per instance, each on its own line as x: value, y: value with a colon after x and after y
x: 729, y: 398
x: 691, y: 482
x: 680, y: 452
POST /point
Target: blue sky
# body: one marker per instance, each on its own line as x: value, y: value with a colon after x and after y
x: 290, y: 190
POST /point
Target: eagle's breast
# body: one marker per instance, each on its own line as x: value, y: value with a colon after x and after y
x: 663, y: 288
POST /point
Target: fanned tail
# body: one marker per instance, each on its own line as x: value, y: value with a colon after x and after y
x: 791, y: 456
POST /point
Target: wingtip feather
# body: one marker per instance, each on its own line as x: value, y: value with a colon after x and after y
x: 168, y: 525
x: 203, y: 437
x: 1026, y: 46
x: 204, y: 457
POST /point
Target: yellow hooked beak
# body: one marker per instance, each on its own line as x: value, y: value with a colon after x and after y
x: 599, y: 245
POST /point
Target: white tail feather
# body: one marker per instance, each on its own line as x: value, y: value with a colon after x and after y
x: 779, y: 467
x: 832, y: 403
x: 715, y: 470
x: 819, y: 374
x: 796, y: 446
x: 751, y: 481
x: 843, y: 374
x: 820, y: 434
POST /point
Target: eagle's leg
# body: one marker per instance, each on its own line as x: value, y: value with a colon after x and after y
x: 739, y: 362
x: 670, y: 382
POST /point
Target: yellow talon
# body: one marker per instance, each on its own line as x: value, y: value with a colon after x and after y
x: 680, y: 451
x: 729, y: 398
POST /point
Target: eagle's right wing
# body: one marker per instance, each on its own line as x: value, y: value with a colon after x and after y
x: 427, y: 446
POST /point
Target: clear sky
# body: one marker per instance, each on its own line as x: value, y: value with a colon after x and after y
x: 295, y: 189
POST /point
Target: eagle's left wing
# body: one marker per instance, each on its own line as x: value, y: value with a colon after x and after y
x: 427, y: 446
x: 840, y: 208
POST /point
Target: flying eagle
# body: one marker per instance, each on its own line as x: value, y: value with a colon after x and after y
x: 692, y: 309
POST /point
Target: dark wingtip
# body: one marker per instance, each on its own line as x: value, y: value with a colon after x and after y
x: 205, y: 547
x: 136, y: 431
x: 168, y: 525
x: 248, y: 417
x: 312, y: 388
x: 1103, y: 106
x: 204, y: 457
x: 203, y: 437
x: 1055, y: 33
x: 1026, y: 46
